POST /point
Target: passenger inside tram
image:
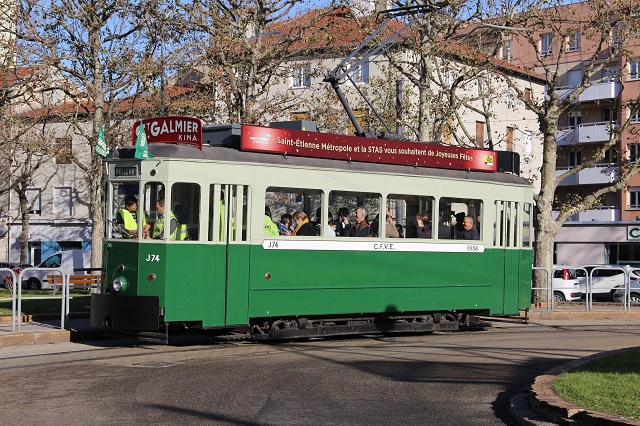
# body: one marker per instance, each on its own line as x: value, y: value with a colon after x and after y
x: 361, y: 228
x: 423, y: 229
x: 301, y: 224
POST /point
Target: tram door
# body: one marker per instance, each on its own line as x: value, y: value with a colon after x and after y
x: 228, y: 215
x: 506, y: 241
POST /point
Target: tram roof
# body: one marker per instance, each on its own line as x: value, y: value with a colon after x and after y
x: 222, y: 153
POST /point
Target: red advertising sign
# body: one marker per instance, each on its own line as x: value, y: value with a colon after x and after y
x: 323, y: 145
x: 172, y: 129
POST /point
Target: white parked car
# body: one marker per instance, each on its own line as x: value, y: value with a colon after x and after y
x: 634, y: 293
x: 565, y: 284
x: 67, y: 261
x: 604, y: 278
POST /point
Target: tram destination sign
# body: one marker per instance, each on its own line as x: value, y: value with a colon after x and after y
x: 353, y: 148
x: 171, y: 129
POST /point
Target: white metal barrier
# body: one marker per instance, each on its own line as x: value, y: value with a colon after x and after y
x: 13, y: 296
x: 20, y: 298
x: 587, y: 295
x: 547, y: 287
x: 64, y: 296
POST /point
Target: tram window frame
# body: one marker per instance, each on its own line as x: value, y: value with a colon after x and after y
x: 450, y: 211
x: 506, y: 224
x: 352, y: 200
x: 413, y: 205
x: 288, y: 200
x: 116, y: 200
x: 527, y: 216
x: 185, y: 206
x: 238, y: 200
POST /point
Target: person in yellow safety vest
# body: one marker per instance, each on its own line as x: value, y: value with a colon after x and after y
x: 177, y: 231
x: 128, y: 218
x: 270, y: 228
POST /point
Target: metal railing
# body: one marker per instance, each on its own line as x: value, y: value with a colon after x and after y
x: 13, y: 296
x: 64, y: 296
x: 586, y: 286
x: 546, y: 288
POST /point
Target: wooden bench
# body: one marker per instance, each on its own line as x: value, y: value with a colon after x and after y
x: 76, y: 282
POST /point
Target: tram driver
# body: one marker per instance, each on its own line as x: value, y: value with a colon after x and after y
x: 127, y: 219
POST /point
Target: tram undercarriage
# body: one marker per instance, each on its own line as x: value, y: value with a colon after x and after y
x: 268, y: 329
x: 307, y: 327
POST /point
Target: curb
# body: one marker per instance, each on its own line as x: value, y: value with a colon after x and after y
x: 26, y: 338
x: 544, y: 405
x: 536, y: 314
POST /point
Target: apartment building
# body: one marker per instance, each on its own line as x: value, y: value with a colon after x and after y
x: 605, y: 234
x: 510, y: 127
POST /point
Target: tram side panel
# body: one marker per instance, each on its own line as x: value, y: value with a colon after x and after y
x: 524, y: 279
x: 360, y: 282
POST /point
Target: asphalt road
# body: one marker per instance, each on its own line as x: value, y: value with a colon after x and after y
x: 456, y: 378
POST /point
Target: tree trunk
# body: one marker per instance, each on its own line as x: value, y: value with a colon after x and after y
x: 24, y: 222
x: 547, y: 228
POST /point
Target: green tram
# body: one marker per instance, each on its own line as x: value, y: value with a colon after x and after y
x: 220, y: 268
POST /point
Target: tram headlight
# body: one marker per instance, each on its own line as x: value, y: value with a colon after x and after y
x: 119, y: 284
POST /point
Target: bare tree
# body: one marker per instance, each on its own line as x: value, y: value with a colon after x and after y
x: 100, y: 47
x: 609, y: 30
x: 241, y: 50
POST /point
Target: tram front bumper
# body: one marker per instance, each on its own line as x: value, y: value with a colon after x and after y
x: 119, y: 312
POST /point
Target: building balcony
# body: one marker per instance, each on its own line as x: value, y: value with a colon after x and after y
x: 600, y: 174
x: 601, y: 214
x: 597, y: 92
x: 585, y: 133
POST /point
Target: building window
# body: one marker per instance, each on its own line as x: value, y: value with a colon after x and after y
x: 546, y: 41
x: 527, y: 98
x: 483, y: 86
x: 634, y: 152
x: 606, y: 115
x: 34, y: 201
x: 512, y: 98
x: 449, y: 78
x: 62, y: 201
x: 634, y: 197
x: 573, y: 42
x: 297, y: 116
x: 302, y: 76
x: 574, y: 119
x: 528, y: 143
x: 63, y: 150
x: 634, y: 116
x: 634, y: 70
x: 615, y: 33
x: 480, y: 134
x: 509, y: 138
x: 575, y: 158
x: 506, y: 51
x: 360, y: 74
x: 611, y: 156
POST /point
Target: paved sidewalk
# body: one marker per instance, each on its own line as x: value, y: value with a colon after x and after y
x: 46, y: 331
x: 537, y: 405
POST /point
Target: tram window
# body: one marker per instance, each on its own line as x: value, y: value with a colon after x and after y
x: 505, y: 225
x: 281, y: 201
x: 152, y: 192
x: 345, y: 204
x: 185, y: 207
x: 451, y: 214
x: 229, y: 205
x: 526, y: 226
x: 404, y: 210
x: 124, y: 211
